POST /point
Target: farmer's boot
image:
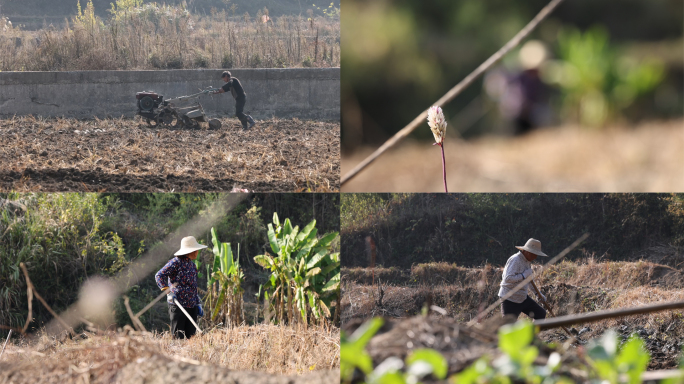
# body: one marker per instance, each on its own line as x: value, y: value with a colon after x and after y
x: 244, y: 125
x: 251, y: 121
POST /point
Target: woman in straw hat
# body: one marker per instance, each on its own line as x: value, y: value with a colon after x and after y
x: 179, y: 278
x: 518, y: 268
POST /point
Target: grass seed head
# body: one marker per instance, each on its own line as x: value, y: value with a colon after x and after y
x: 437, y: 123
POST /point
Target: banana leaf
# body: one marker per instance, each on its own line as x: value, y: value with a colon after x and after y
x: 316, y: 258
x: 327, y: 239
x: 333, y: 283
x: 306, y: 231
x: 329, y: 268
x: 220, y: 300
x: 273, y: 240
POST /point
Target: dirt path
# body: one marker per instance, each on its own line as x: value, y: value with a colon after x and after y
x: 647, y: 158
x: 122, y: 155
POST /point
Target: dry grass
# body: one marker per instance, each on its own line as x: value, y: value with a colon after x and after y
x: 171, y: 38
x: 570, y: 287
x: 123, y: 155
x: 646, y: 158
x: 264, y: 348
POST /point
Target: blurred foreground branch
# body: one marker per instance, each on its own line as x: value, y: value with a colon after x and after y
x: 453, y: 92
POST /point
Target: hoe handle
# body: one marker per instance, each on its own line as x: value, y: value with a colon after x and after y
x: 548, y: 307
x: 188, y: 316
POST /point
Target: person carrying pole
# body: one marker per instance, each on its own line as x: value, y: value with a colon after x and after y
x: 179, y: 279
x: 518, y: 268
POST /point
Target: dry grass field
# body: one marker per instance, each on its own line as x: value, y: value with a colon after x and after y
x: 166, y: 37
x: 645, y: 158
x: 570, y: 287
x: 248, y: 354
x: 124, y: 155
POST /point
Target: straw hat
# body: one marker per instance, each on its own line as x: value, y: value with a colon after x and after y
x: 188, y: 245
x: 534, y: 246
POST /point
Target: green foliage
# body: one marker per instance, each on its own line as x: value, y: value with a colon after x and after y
x: 331, y: 11
x: 87, y: 18
x: 610, y: 364
x: 474, y: 229
x: 228, y: 276
x: 305, y: 276
x: 595, y: 80
x: 66, y: 238
x: 122, y: 8
x: 59, y: 237
x: 420, y: 363
x: 605, y: 361
x: 353, y: 349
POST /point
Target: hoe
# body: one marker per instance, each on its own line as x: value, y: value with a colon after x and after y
x: 174, y: 112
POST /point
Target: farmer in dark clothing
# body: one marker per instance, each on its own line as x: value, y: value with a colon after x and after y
x: 179, y: 278
x: 233, y: 85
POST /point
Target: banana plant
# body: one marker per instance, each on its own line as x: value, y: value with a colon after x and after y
x: 229, y: 276
x: 304, y: 275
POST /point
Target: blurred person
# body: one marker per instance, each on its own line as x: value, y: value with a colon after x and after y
x: 232, y: 85
x: 518, y: 268
x: 179, y: 278
x: 522, y: 95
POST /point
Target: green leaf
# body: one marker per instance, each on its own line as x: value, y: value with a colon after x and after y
x: 306, y: 231
x: 287, y: 227
x: 316, y: 258
x: 330, y: 268
x: 272, y: 239
x: 633, y: 359
x: 332, y: 284
x: 264, y: 260
x: 304, y: 251
x: 365, y: 332
x: 219, y: 301
x: 512, y: 337
x: 214, y: 239
x: 435, y: 359
x: 327, y: 239
x: 313, y: 272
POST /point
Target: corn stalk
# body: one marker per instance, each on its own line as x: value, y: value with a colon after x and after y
x: 224, y: 283
x: 305, y: 276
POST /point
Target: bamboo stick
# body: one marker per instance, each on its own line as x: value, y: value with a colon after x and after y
x: 607, y: 314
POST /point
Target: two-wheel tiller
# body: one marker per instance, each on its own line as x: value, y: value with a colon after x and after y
x: 171, y: 112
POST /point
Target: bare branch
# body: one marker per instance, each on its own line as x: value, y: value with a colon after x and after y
x: 453, y: 92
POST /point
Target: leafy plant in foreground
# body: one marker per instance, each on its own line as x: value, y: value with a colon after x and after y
x: 419, y: 364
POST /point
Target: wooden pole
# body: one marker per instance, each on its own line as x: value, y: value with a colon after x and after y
x: 608, y: 314
x: 4, y: 345
x: 548, y: 307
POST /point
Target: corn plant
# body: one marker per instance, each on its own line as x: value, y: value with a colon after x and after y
x: 305, y: 276
x: 224, y: 283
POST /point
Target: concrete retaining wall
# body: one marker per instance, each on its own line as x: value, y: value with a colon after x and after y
x: 305, y: 93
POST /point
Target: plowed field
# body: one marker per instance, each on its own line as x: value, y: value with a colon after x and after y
x: 124, y: 155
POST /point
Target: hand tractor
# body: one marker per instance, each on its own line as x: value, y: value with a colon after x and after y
x: 171, y: 112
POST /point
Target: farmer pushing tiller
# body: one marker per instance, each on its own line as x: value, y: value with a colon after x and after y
x: 233, y: 85
x: 179, y: 279
x: 518, y: 268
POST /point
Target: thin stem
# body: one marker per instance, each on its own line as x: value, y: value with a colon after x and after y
x: 444, y: 168
x: 404, y: 132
